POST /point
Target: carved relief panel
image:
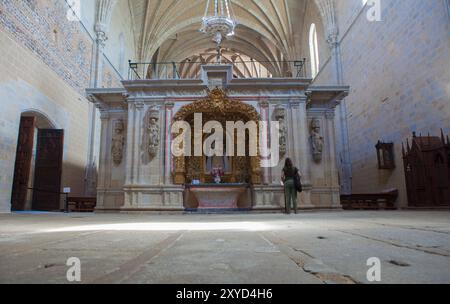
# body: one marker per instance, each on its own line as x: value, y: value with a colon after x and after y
x: 280, y: 116
x: 317, y: 140
x: 118, y: 142
x: 153, y: 131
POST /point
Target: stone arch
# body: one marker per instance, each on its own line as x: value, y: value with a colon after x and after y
x: 43, y: 121
x: 103, y: 14
x: 328, y: 14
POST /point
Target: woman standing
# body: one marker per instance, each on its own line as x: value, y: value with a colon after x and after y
x: 288, y: 176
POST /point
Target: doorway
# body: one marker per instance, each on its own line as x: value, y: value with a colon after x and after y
x: 38, y: 166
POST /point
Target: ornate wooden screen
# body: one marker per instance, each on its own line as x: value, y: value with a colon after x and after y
x: 427, y: 171
x: 48, y: 170
x: 23, y: 163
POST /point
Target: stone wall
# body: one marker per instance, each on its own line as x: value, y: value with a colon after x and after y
x: 398, y: 72
x: 27, y: 84
x: 42, y: 27
x: 46, y: 65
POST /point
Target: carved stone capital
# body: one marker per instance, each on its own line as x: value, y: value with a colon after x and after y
x: 297, y: 104
x: 263, y: 104
x: 104, y: 115
x: 169, y: 105
x: 126, y: 96
x: 139, y: 106
x: 330, y: 114
x: 101, y: 36
x: 333, y: 39
x: 92, y: 98
x: 103, y: 109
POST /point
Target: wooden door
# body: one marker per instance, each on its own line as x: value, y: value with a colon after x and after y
x: 48, y: 170
x: 22, y: 168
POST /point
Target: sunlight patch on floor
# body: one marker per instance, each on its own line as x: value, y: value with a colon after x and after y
x: 169, y: 226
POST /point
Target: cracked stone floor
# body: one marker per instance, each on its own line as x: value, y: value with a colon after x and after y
x: 309, y: 248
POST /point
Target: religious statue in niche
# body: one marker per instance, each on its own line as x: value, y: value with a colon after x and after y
x: 280, y: 116
x: 118, y: 142
x: 317, y: 140
x: 153, y: 133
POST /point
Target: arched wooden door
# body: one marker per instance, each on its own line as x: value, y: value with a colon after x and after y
x: 22, y: 167
x: 48, y: 170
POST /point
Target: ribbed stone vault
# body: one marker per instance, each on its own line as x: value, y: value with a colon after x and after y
x: 269, y: 30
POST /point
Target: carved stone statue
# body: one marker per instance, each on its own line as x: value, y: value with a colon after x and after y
x: 317, y: 140
x: 118, y: 142
x: 153, y: 133
x: 280, y: 116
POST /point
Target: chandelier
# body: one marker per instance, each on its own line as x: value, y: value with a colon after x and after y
x: 218, y: 20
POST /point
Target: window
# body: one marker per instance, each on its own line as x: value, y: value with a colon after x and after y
x: 314, y: 51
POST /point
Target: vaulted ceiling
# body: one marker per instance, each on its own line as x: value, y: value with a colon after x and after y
x: 269, y: 30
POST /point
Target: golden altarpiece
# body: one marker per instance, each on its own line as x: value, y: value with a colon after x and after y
x: 237, y: 169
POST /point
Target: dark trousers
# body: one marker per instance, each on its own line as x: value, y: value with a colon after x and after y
x: 290, y: 195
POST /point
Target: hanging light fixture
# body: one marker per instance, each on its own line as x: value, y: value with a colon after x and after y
x: 218, y: 21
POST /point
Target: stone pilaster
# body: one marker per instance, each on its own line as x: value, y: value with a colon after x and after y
x: 302, y: 148
x: 137, y: 141
x: 135, y: 109
x: 264, y: 112
x: 103, y: 15
x: 104, y: 163
x: 343, y: 143
x: 90, y: 182
x: 334, y: 177
x: 168, y: 157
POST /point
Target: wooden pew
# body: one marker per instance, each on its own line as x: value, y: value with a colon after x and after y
x: 82, y: 204
x: 370, y: 201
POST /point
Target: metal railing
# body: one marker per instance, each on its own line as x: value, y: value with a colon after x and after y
x: 241, y: 69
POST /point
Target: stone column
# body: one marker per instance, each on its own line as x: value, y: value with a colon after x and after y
x: 344, y: 145
x: 103, y: 15
x: 96, y: 82
x: 302, y: 150
x: 129, y: 143
x: 97, y: 60
x: 331, y: 139
x: 135, y: 108
x: 328, y: 12
x: 168, y: 157
x: 90, y: 182
x: 104, y: 155
x: 264, y: 111
x: 161, y: 157
x: 137, y: 144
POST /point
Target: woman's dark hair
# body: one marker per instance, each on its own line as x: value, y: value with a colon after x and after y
x: 288, y: 167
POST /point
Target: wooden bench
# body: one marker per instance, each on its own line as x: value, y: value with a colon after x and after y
x: 82, y: 204
x: 370, y: 201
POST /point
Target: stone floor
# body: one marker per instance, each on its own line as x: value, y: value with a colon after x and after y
x: 325, y: 247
